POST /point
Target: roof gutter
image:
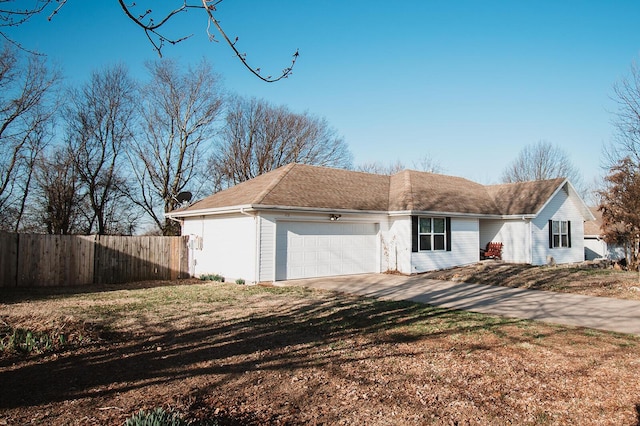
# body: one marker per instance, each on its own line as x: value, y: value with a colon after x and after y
x: 181, y: 222
x: 457, y: 214
x: 243, y: 209
x: 203, y: 212
x: 246, y: 208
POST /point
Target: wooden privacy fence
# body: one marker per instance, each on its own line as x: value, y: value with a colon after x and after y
x: 34, y: 260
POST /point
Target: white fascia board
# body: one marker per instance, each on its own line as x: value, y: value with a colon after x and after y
x: 315, y: 209
x: 205, y: 212
x: 261, y: 207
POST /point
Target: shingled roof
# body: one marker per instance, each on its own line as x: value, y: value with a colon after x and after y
x: 304, y: 186
x: 594, y: 227
x: 523, y: 197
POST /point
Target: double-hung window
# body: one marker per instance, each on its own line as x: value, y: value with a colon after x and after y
x: 432, y: 233
x: 559, y: 233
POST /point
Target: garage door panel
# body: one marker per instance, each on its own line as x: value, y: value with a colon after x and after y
x: 324, y: 242
x: 322, y: 249
x: 297, y: 257
x: 295, y: 242
x: 324, y: 256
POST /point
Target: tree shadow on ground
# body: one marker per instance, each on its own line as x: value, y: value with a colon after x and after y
x: 529, y: 276
x: 285, y: 338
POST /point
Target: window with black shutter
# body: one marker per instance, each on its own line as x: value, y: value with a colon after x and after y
x: 431, y: 233
x: 559, y: 233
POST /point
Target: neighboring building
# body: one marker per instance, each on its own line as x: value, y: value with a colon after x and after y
x: 302, y: 221
x: 594, y: 246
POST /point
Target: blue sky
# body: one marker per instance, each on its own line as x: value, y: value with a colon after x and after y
x: 469, y: 83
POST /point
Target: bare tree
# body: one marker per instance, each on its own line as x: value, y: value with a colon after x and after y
x: 37, y: 141
x: 258, y: 137
x: 627, y: 120
x: 540, y: 161
x: 58, y: 192
x: 26, y: 110
x: 380, y: 168
x: 620, y: 206
x: 426, y: 163
x: 179, y: 115
x: 99, y: 120
x: 152, y: 17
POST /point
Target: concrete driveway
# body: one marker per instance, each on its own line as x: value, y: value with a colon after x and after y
x: 602, y: 313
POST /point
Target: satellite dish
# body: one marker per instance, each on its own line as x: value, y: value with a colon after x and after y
x: 184, y: 197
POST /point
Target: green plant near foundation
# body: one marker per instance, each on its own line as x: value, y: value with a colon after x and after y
x: 212, y: 277
x: 240, y: 281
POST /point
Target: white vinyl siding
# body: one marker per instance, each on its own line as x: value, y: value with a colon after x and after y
x: 594, y: 248
x: 513, y: 234
x: 228, y: 246
x: 400, y: 234
x: 267, y: 244
x: 464, y: 248
x: 560, y: 208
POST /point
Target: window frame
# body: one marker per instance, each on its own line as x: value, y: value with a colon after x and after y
x: 559, y: 234
x: 434, y: 237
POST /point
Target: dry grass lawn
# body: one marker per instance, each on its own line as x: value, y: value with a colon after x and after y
x: 564, y: 278
x: 287, y: 356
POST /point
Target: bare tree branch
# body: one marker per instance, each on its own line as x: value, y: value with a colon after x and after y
x: 25, y: 110
x: 179, y: 116
x: 99, y: 120
x: 540, y: 161
x: 154, y: 29
x: 209, y: 6
x: 426, y: 163
x: 627, y: 118
x: 258, y: 137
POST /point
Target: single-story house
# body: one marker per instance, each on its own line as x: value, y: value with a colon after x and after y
x: 301, y: 221
x: 594, y: 245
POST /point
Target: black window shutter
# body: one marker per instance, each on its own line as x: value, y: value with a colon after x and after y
x: 550, y: 233
x: 414, y: 233
x: 448, y: 232
x: 569, y: 232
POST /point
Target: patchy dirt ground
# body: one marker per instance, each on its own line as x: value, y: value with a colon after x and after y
x: 578, y: 279
x: 257, y: 355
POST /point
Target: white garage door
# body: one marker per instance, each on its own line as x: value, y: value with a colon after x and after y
x: 306, y: 250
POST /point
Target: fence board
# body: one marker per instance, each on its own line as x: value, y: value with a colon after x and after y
x: 29, y: 260
x: 8, y: 259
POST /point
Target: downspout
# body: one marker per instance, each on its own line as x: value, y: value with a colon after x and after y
x: 256, y: 234
x: 176, y: 220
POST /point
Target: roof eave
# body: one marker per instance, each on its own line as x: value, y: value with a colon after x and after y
x: 459, y: 214
x: 208, y: 211
x: 264, y: 207
x: 298, y: 209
